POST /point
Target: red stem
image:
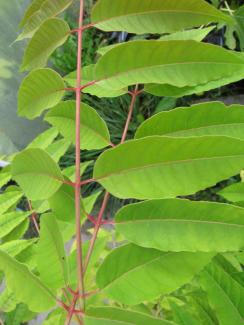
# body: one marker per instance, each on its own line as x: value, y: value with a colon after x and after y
x: 134, y: 95
x: 78, y: 160
x: 96, y: 230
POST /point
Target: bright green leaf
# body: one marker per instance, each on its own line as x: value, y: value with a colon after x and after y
x: 33, y: 7
x: 233, y: 193
x: 7, y: 301
x: 44, y: 139
x: 164, y: 167
x: 10, y: 221
x: 37, y: 174
x: 192, y: 34
x: 127, y: 267
x: 8, y: 199
x: 51, y: 258
x: 213, y: 118
x: 41, y: 89
x: 94, y: 133
x: 143, y: 16
x: 225, y: 295
x: 182, y: 225
x: 48, y: 9
x: 182, y: 316
x: 57, y: 149
x: 50, y: 35
x: 166, y: 62
x: 26, y: 286
x: 114, y: 316
x: 70, y: 171
x: 15, y: 247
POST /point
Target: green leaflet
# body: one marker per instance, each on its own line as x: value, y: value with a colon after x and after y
x: 182, y: 316
x: 182, y: 225
x: 33, y: 8
x: 43, y: 140
x: 51, y: 258
x: 48, y: 9
x: 5, y: 177
x: 166, y: 62
x: 17, y: 232
x: 238, y: 16
x: 57, y: 317
x: 143, y: 16
x: 15, y: 247
x: 7, y: 301
x: 213, y: 118
x: 114, y: 316
x: 41, y: 89
x: 70, y: 171
x: 36, y: 173
x: 94, y: 133
x: 88, y: 75
x: 233, y: 193
x: 62, y: 204
x: 57, y: 149
x: 225, y: 295
x: 20, y: 314
x: 127, y: 267
x: 164, y: 167
x: 10, y: 221
x: 191, y: 34
x: 36, y: 295
x: 51, y: 34
x: 9, y: 199
x: 172, y: 91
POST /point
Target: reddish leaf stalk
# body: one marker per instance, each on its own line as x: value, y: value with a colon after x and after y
x: 33, y: 218
x: 134, y: 95
x: 99, y: 221
x: 96, y: 230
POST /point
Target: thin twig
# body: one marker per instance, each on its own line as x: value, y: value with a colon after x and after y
x: 96, y: 230
x: 134, y: 95
x: 99, y: 221
x: 33, y: 217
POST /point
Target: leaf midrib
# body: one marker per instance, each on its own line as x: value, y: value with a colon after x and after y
x: 180, y: 221
x: 172, y: 64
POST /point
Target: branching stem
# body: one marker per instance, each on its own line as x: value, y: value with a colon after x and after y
x: 80, y: 278
x: 135, y: 93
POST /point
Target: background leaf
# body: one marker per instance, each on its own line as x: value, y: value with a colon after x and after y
x: 51, y: 258
x: 41, y: 89
x: 51, y: 34
x: 36, y: 172
x: 127, y: 267
x: 155, y: 16
x: 213, y: 118
x: 164, y: 167
x: 36, y: 295
x: 94, y: 133
x: 182, y: 225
